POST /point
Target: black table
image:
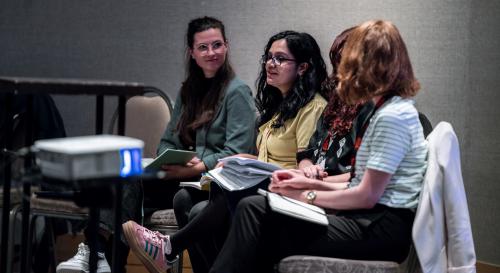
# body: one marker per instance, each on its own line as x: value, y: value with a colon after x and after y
x: 99, y: 88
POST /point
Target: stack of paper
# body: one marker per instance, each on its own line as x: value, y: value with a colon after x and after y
x: 241, y: 173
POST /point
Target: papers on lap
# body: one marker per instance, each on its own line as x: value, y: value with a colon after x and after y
x: 168, y: 157
x: 203, y: 184
x: 241, y: 173
x: 194, y: 184
x: 295, y: 208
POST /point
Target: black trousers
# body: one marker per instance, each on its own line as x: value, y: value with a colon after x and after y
x: 187, y: 203
x: 203, y: 226
x: 259, y: 238
x: 208, y: 223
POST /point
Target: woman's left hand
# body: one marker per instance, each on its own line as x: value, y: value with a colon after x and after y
x: 293, y: 179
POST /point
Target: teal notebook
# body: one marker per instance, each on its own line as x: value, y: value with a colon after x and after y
x: 168, y: 157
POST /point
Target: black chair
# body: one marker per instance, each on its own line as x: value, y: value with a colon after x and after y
x: 46, y: 123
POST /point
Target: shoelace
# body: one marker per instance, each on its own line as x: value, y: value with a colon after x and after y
x: 81, y: 250
x: 154, y: 236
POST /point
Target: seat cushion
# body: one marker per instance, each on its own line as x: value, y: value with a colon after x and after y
x: 56, y: 206
x: 164, y: 217
x: 310, y: 264
x: 16, y: 196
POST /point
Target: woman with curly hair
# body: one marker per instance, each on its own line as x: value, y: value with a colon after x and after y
x: 374, y: 214
x: 289, y: 105
x: 331, y: 147
x: 287, y: 97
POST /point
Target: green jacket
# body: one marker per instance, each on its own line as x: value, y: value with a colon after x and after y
x: 232, y: 131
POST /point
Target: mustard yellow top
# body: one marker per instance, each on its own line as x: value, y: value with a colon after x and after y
x: 279, y: 146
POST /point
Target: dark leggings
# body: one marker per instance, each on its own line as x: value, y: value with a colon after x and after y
x: 187, y: 203
x: 204, y: 233
x: 260, y: 238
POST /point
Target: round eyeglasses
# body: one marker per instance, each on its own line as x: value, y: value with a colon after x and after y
x: 216, y: 46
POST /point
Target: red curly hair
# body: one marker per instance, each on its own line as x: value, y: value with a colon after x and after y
x: 338, y: 116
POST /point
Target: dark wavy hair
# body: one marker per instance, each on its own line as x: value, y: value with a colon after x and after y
x: 200, y: 110
x: 269, y: 99
x: 375, y: 63
x: 338, y: 116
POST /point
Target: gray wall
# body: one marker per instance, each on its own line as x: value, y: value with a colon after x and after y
x: 454, y: 47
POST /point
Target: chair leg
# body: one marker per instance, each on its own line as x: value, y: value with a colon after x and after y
x: 12, y: 234
x: 178, y: 265
x: 52, y: 243
x: 31, y: 230
x: 43, y: 254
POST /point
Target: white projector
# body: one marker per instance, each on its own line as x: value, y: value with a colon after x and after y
x: 89, y: 157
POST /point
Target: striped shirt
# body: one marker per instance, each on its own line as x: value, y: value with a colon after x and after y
x: 394, y: 143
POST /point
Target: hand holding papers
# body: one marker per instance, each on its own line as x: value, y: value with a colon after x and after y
x: 241, y: 173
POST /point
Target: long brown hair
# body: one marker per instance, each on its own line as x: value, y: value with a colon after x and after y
x: 199, y: 110
x: 375, y: 62
x: 338, y: 116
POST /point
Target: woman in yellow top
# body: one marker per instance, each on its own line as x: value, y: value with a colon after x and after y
x: 287, y: 97
x: 289, y: 106
x: 280, y: 145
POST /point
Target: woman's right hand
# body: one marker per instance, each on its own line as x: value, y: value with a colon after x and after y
x: 176, y: 172
x: 219, y: 164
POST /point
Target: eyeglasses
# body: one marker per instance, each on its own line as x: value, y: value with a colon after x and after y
x: 277, y: 60
x: 216, y: 46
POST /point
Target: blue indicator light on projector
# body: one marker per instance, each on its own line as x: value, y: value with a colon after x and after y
x: 130, y: 162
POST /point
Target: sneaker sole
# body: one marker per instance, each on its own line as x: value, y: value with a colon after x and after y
x: 79, y: 271
x: 128, y: 231
x: 71, y: 271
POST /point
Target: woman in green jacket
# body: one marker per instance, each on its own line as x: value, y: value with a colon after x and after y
x: 214, y: 115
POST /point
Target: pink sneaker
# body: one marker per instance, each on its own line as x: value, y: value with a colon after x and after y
x: 149, y: 246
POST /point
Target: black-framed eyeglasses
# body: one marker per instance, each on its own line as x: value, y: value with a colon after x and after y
x: 277, y: 60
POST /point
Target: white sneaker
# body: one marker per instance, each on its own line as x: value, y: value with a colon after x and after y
x: 80, y: 262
